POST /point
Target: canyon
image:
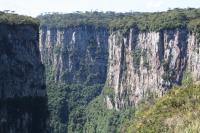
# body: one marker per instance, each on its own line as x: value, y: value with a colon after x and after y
x: 90, y: 72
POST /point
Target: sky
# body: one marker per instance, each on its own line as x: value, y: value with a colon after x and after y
x: 36, y: 7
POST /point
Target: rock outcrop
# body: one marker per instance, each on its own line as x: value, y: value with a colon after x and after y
x: 23, y: 101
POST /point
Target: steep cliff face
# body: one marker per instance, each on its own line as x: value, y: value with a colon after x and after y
x: 23, y: 101
x: 75, y: 54
x: 193, y: 54
x: 142, y: 63
x: 137, y: 57
x: 139, y: 63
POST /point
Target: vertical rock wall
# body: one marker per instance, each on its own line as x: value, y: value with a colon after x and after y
x: 75, y: 54
x: 23, y: 101
x: 142, y: 63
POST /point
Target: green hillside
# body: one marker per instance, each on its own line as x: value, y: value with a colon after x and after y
x: 176, y: 112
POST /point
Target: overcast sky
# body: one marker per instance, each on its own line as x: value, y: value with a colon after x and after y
x: 35, y: 7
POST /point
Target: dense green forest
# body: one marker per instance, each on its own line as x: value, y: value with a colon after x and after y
x: 80, y: 18
x: 67, y: 105
x: 77, y: 108
x: 176, y: 18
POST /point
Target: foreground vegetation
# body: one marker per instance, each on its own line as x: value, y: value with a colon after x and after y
x: 178, y: 111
